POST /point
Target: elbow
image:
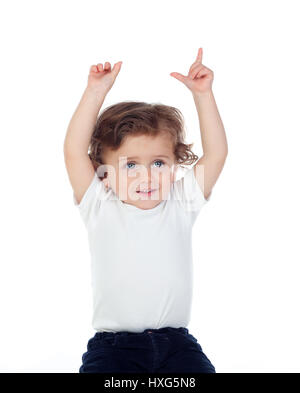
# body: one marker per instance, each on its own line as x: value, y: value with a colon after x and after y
x: 67, y: 151
x: 217, y: 157
x: 71, y: 151
x: 221, y: 156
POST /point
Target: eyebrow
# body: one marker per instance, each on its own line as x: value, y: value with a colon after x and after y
x: 134, y: 158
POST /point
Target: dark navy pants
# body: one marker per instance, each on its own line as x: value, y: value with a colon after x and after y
x: 164, y: 350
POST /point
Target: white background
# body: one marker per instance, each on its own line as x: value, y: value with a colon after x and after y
x: 246, y: 256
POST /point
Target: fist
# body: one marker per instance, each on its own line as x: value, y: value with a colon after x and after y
x: 101, y: 78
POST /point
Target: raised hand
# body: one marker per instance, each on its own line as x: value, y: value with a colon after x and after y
x: 101, y: 79
x: 199, y: 78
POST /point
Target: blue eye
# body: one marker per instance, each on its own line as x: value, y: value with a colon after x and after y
x: 130, y: 163
x: 161, y: 162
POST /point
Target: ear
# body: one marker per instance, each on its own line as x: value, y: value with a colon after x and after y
x: 106, y: 183
x: 175, y: 172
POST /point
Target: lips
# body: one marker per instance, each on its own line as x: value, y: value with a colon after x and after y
x: 146, y: 192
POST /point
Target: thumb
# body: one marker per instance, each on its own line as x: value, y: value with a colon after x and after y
x: 117, y: 67
x: 178, y: 76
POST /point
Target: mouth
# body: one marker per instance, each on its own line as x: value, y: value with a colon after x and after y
x: 150, y: 192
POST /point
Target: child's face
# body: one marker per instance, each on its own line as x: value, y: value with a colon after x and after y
x: 141, y: 163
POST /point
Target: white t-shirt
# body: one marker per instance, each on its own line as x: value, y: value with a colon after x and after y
x: 141, y: 260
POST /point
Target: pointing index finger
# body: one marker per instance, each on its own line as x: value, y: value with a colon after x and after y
x: 199, y: 55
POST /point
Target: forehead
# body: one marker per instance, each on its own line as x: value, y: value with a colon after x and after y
x: 143, y: 146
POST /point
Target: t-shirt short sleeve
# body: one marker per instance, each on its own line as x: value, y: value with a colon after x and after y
x: 187, y: 190
x: 92, y: 199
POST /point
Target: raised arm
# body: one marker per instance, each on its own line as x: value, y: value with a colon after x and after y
x: 78, y: 164
x: 214, y: 142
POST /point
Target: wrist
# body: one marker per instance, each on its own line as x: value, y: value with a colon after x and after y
x: 95, y: 93
x: 204, y: 94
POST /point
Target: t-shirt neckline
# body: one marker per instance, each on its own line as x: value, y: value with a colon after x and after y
x: 138, y: 210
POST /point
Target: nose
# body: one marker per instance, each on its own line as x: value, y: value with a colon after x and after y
x: 146, y: 178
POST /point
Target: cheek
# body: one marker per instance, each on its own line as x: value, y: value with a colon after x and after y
x: 167, y: 177
x: 127, y: 183
x: 166, y: 182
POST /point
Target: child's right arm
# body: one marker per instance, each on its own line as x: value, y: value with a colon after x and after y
x: 78, y: 164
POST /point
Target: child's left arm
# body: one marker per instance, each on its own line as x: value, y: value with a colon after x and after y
x: 214, y: 143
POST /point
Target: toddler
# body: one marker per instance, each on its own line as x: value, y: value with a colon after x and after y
x: 122, y: 167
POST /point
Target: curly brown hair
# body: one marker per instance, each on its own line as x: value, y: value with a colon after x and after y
x: 139, y: 118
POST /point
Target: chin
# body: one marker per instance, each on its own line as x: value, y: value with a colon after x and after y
x: 147, y: 205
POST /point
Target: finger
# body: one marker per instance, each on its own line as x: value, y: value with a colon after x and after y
x: 93, y: 68
x: 199, y: 67
x: 100, y: 67
x: 199, y: 55
x: 195, y: 69
x: 178, y: 76
x: 196, y: 64
x: 200, y: 73
x: 107, y: 66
